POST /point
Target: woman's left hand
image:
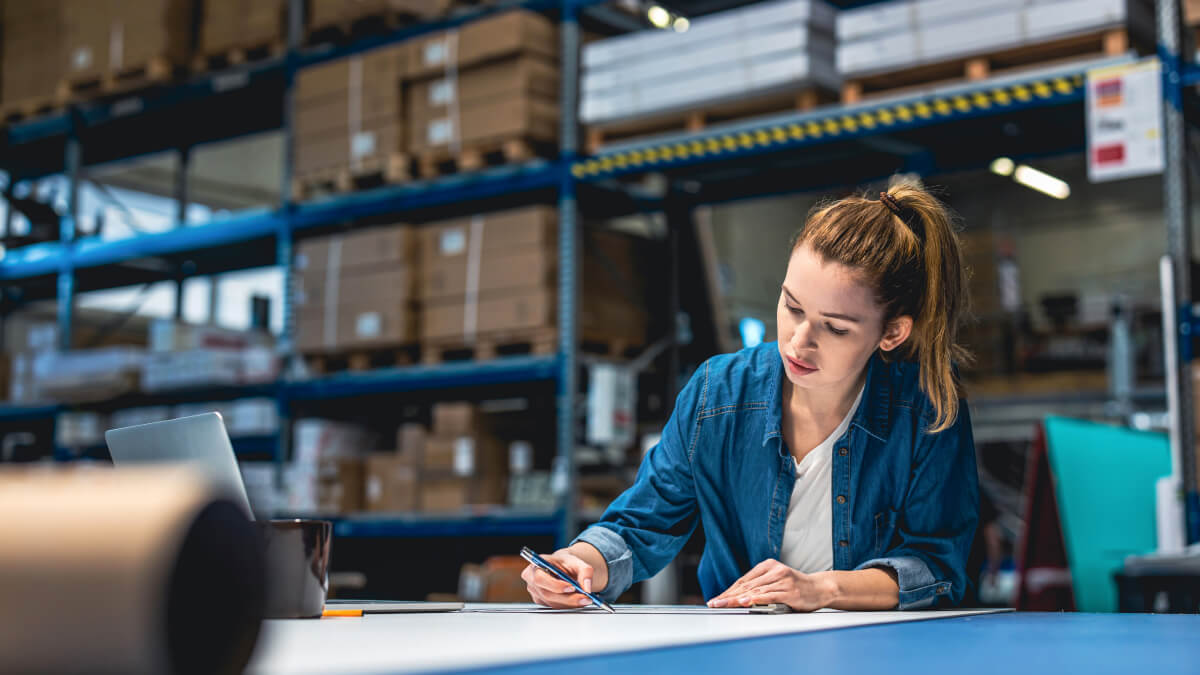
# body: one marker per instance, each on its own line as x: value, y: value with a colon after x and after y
x: 773, y: 582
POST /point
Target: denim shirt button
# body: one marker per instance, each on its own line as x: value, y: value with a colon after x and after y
x: 841, y: 499
x: 843, y: 543
x: 843, y: 452
x: 943, y: 588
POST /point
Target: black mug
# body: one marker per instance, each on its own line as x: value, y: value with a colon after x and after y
x: 297, y: 562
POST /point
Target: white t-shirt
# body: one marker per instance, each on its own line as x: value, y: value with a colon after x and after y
x: 808, y: 531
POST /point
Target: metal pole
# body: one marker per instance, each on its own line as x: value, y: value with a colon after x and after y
x: 568, y: 287
x: 181, y: 209
x: 66, y: 272
x: 1176, y: 207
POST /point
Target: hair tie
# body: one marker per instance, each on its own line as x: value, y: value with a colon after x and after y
x: 890, y: 202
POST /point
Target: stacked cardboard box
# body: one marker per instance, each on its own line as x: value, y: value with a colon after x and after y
x: 326, y: 472
x: 356, y: 290
x: 903, y: 33
x: 489, y: 82
x: 754, y: 51
x: 348, y: 112
x: 30, y: 31
x: 463, y: 462
x: 323, y: 13
x: 241, y: 24
x: 392, y: 479
x: 106, y: 36
x: 497, y: 274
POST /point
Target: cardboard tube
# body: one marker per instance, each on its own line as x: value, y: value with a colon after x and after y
x: 136, y: 570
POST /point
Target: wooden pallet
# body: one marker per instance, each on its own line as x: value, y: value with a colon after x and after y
x: 17, y: 111
x: 1111, y: 42
x: 350, y: 29
x: 536, y: 341
x: 599, y: 135
x: 227, y: 58
x: 357, y: 360
x: 480, y: 155
x: 155, y: 71
x: 365, y: 174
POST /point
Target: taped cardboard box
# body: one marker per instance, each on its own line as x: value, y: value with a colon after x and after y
x: 474, y: 454
x: 375, y: 71
x: 441, y: 495
x: 523, y: 228
x: 521, y: 118
x: 31, y: 31
x: 100, y: 37
x: 377, y: 246
x: 323, y: 13
x: 350, y: 326
x: 495, y: 37
x: 410, y: 441
x: 340, y: 149
x: 340, y: 485
x: 391, y: 484
x: 382, y: 284
x: 522, y: 76
x: 233, y: 24
x: 457, y: 418
x: 527, y: 310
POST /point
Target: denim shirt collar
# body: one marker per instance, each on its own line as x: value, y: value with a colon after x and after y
x: 873, y: 415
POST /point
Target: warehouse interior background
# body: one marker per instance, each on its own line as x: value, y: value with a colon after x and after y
x: 449, y: 307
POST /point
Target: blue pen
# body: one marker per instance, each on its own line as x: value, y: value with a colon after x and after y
x: 535, y: 559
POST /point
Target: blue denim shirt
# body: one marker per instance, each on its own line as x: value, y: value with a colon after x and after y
x: 902, y: 498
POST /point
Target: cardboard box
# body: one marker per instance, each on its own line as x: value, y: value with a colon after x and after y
x: 389, y: 284
x: 523, y: 76
x: 410, y: 441
x: 377, y: 246
x: 391, y: 484
x: 531, y: 309
x: 340, y: 485
x: 523, y: 228
x: 456, y: 418
x: 444, y: 494
x: 103, y: 36
x: 495, y: 120
x: 350, y: 326
x: 492, y: 38
x: 232, y: 24
x: 498, y: 271
x: 323, y: 13
x: 476, y: 454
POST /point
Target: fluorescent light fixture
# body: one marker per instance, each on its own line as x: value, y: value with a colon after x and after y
x: 1042, y: 182
x: 658, y: 16
x: 681, y: 24
x: 1002, y: 166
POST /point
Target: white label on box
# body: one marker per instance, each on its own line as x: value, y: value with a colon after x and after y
x: 81, y: 58
x: 441, y: 132
x: 1124, y: 121
x: 368, y: 324
x: 464, y: 456
x: 452, y: 241
x: 435, y: 53
x: 520, y: 457
x: 441, y: 92
x: 363, y: 143
x: 374, y: 489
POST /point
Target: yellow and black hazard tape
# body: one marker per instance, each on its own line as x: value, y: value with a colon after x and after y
x: 836, y: 124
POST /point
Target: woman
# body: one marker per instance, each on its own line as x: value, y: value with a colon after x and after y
x: 834, y: 468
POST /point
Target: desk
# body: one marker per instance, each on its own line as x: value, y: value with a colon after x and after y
x: 883, y: 643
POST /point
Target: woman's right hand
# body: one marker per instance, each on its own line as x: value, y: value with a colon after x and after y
x: 547, y: 589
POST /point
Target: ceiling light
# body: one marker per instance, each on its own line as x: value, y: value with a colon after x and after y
x: 658, y: 16
x: 1042, y: 182
x: 681, y: 24
x: 1002, y: 166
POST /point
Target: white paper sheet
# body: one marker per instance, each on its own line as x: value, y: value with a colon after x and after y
x: 519, y: 634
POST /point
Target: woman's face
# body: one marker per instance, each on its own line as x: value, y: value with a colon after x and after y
x: 829, y: 323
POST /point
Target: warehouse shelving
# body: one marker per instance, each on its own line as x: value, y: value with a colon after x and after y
x: 831, y: 145
x: 501, y: 522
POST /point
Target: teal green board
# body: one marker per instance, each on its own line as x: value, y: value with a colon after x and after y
x: 1104, y: 480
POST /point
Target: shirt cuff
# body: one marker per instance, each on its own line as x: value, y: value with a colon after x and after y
x: 918, y: 588
x: 616, y: 554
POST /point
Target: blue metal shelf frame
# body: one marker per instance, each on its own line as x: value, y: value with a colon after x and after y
x: 466, y: 525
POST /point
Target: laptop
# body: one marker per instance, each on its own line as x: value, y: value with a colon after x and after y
x: 200, y: 440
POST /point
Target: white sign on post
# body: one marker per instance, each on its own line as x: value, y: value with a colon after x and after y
x: 1124, y: 121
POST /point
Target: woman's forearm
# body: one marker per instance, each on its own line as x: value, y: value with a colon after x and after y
x: 869, y: 589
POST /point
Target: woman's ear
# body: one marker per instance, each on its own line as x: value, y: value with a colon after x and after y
x: 896, y: 332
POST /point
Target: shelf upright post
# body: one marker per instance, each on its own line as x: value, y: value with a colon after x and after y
x: 568, y: 269
x: 181, y: 209
x: 1176, y: 205
x: 283, y: 237
x: 66, y: 270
